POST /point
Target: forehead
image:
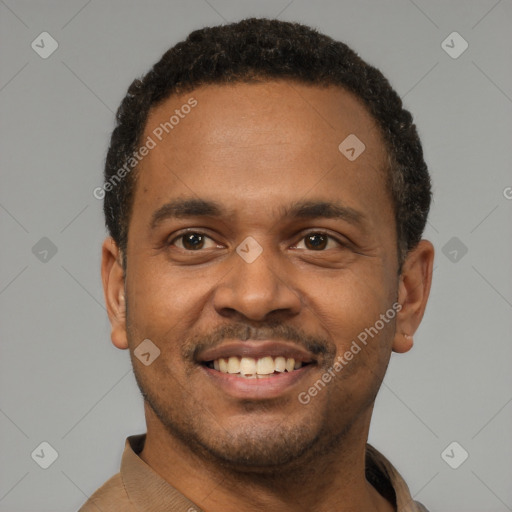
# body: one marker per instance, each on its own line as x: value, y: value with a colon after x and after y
x: 261, y: 141
x: 264, y: 112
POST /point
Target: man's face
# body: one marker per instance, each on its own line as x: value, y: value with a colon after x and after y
x: 198, y: 288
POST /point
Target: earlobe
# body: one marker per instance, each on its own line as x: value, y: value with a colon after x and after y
x: 112, y: 275
x: 413, y: 292
x: 402, y: 343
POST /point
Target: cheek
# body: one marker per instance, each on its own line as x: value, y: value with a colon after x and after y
x: 165, y: 298
x: 351, y: 304
x: 363, y: 346
x: 350, y: 309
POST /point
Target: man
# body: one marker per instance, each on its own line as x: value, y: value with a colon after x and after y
x: 265, y: 194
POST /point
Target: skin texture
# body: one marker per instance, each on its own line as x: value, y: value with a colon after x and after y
x: 256, y: 148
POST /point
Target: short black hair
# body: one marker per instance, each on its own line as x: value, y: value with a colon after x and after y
x: 262, y: 49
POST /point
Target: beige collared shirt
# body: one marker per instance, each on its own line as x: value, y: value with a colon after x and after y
x: 137, y: 488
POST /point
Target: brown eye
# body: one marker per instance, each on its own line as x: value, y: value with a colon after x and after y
x: 318, y: 241
x: 191, y: 241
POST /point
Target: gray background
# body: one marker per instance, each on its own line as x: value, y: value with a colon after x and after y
x: 61, y: 379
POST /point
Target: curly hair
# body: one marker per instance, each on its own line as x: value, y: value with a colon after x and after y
x: 265, y: 49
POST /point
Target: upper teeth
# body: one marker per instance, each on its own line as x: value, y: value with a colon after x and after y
x: 250, y: 366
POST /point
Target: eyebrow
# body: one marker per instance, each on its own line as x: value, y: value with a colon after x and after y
x: 312, y: 209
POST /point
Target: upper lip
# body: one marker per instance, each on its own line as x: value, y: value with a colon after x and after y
x: 256, y: 350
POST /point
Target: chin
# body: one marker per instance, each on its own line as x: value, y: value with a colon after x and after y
x: 248, y: 445
x: 260, y: 451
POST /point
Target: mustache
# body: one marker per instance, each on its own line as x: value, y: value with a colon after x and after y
x: 316, y: 345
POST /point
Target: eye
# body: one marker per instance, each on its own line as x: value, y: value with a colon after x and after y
x: 192, y: 240
x: 318, y: 241
x: 195, y: 241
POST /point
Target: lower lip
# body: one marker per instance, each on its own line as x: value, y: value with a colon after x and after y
x: 269, y: 387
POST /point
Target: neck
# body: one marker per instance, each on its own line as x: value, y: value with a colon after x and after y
x: 328, y: 477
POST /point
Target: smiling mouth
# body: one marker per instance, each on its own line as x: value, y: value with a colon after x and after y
x: 255, y: 368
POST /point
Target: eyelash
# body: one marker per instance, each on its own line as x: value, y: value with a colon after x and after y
x: 342, y: 244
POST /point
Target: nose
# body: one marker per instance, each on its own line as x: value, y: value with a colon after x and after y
x: 257, y: 289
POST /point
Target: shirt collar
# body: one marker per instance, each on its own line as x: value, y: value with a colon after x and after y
x: 149, y: 492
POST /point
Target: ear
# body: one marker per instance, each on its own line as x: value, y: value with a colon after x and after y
x: 112, y: 276
x: 413, y: 291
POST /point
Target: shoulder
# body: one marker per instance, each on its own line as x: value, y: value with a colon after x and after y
x: 110, y: 497
x: 388, y: 482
